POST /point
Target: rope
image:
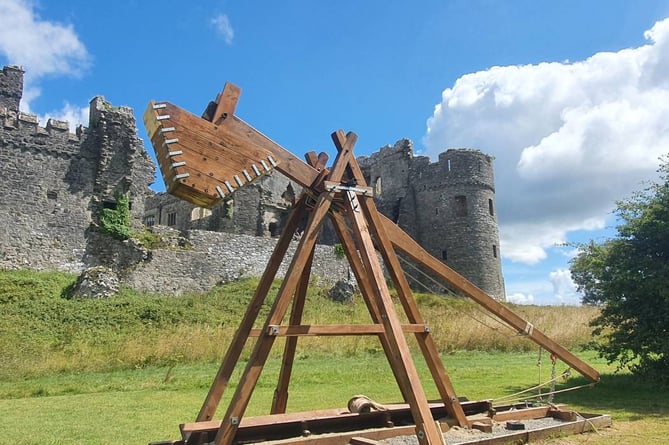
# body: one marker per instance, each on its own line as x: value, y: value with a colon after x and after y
x: 565, y: 374
x: 424, y: 286
x: 510, y: 398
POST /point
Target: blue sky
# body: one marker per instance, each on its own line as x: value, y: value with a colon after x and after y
x: 570, y: 97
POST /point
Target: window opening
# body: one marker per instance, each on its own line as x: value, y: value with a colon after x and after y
x: 461, y: 205
x: 491, y: 209
x: 172, y: 219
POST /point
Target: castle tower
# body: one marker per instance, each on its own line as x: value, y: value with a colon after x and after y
x: 457, y: 217
x: 11, y: 87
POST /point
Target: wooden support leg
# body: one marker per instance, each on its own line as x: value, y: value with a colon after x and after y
x: 235, y: 349
x: 425, y: 340
x: 280, y: 400
x: 406, y: 374
x: 358, y: 269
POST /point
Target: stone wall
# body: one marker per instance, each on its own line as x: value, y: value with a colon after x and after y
x: 55, y: 183
x: 448, y: 207
x: 202, y: 259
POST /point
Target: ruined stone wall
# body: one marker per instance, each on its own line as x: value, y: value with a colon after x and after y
x: 56, y: 182
x: 203, y: 259
x: 258, y: 209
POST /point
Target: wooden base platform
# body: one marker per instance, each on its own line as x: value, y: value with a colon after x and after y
x: 340, y: 427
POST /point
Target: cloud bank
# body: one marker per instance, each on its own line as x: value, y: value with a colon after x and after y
x: 569, y: 139
x: 41, y: 47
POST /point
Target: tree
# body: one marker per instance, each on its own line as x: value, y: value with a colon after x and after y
x: 628, y: 276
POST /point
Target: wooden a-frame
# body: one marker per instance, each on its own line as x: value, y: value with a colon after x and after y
x: 356, y: 221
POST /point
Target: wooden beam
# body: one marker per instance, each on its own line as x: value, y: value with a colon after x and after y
x: 414, y: 251
x: 280, y: 399
x: 406, y: 374
x: 329, y: 330
x: 424, y: 339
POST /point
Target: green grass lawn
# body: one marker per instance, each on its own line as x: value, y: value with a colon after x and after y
x: 143, y: 405
x: 130, y: 369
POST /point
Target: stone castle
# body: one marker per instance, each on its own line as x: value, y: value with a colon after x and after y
x: 56, y: 183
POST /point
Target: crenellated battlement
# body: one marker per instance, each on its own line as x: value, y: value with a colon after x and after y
x: 29, y: 123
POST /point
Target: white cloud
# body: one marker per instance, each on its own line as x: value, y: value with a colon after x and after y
x: 569, y: 139
x: 564, y: 288
x: 224, y: 28
x: 39, y: 46
x: 520, y: 298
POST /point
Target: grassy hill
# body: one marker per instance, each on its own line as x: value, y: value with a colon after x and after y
x: 42, y: 331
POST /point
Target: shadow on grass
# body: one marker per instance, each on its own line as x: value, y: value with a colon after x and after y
x: 636, y: 397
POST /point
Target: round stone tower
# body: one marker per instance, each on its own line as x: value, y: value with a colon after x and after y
x: 457, y: 218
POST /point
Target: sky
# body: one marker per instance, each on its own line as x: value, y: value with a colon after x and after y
x: 570, y: 97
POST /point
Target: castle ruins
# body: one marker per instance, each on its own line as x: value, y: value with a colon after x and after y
x: 56, y: 183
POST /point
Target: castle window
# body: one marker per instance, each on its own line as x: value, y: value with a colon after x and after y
x: 491, y: 209
x: 150, y: 220
x: 436, y: 210
x: 172, y: 219
x: 494, y: 251
x: 111, y: 205
x: 444, y: 255
x: 52, y: 194
x: 377, y: 187
x: 460, y: 205
x: 274, y: 229
x: 448, y: 163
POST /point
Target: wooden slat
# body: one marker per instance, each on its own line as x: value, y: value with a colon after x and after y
x: 342, y: 329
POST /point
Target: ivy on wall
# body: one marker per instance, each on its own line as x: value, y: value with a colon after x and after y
x: 116, y: 222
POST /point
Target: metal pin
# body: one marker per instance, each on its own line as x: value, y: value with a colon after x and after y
x: 170, y: 141
x: 162, y: 117
x: 255, y: 170
x: 272, y: 161
x: 238, y: 181
x: 227, y: 184
x: 159, y: 106
x: 167, y: 129
x: 178, y: 164
x: 246, y: 175
x: 220, y: 191
x: 174, y: 153
x: 264, y: 165
x: 181, y: 176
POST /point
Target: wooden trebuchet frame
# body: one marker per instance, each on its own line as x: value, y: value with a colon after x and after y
x: 204, y: 159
